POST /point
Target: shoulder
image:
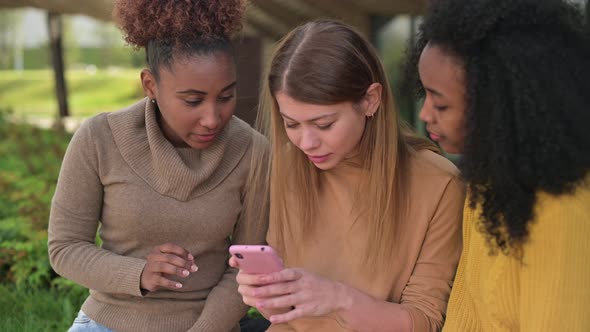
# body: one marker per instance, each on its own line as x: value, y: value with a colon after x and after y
x: 91, y: 128
x: 433, y: 188
x: 430, y: 173
x: 428, y: 163
x: 95, y: 123
x: 564, y: 211
x: 560, y: 227
x: 578, y: 198
x: 433, y: 179
x: 98, y: 131
x: 239, y: 126
x: 242, y: 134
x: 100, y: 123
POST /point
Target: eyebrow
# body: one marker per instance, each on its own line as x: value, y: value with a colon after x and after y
x: 193, y: 91
x: 434, y: 92
x: 310, y: 120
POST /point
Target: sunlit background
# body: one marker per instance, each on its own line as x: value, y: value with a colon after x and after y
x: 101, y: 74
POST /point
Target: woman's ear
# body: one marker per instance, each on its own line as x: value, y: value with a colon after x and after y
x: 372, y: 99
x: 148, y: 82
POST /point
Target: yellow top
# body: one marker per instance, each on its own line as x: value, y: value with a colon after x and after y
x: 548, y: 291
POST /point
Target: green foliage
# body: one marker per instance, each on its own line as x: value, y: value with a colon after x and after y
x: 253, y: 313
x: 31, y: 158
x: 32, y: 296
x: 23, y: 255
x: 29, y: 169
x: 32, y: 310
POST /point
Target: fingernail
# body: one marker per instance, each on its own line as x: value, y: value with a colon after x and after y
x: 185, y: 272
x: 190, y: 257
x: 194, y: 268
x: 178, y: 285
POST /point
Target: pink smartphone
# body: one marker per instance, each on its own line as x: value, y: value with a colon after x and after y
x: 256, y: 259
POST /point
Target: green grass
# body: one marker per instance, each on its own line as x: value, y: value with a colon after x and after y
x: 37, y: 310
x: 31, y: 92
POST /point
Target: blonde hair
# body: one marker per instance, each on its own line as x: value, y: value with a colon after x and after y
x: 327, y: 62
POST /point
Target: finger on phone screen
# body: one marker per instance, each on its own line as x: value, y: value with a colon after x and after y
x: 233, y: 262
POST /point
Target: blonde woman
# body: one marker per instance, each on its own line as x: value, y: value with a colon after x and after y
x: 366, y: 216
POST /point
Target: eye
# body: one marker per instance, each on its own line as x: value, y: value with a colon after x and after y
x: 290, y: 125
x: 193, y: 102
x: 441, y: 108
x: 326, y: 126
x: 225, y: 99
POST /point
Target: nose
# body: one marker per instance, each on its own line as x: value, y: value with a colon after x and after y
x: 308, y: 140
x: 426, y: 111
x: 210, y: 118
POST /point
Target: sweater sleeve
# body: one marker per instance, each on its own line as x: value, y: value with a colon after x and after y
x: 74, y: 218
x: 426, y: 294
x: 224, y: 305
x: 555, y: 275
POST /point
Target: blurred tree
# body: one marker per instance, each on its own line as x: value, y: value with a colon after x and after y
x: 10, y: 47
x: 55, y: 28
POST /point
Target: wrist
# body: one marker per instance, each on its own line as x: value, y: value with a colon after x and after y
x: 347, y: 297
x: 353, y: 306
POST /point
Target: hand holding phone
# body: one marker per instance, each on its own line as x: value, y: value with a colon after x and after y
x: 256, y: 259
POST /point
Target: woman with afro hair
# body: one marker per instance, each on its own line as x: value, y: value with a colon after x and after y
x: 505, y: 84
x: 166, y: 181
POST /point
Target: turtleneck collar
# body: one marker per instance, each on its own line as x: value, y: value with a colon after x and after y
x: 179, y: 173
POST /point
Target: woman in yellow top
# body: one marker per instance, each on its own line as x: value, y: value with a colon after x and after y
x: 506, y: 86
x: 365, y: 215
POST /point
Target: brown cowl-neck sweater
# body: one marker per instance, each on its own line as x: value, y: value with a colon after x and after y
x: 121, y: 173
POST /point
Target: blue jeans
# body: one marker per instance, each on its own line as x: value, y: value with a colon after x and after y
x: 84, y: 324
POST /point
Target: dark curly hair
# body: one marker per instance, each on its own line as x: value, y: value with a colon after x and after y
x: 177, y: 28
x: 527, y: 66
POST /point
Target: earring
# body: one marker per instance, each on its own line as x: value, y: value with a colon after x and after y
x: 370, y: 116
x: 153, y: 101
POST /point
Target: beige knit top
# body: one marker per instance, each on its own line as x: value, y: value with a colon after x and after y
x: 122, y: 174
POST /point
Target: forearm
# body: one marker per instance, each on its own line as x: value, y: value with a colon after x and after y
x: 74, y: 255
x: 363, y: 312
x: 96, y: 268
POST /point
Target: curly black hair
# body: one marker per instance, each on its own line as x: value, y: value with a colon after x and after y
x: 175, y: 28
x: 527, y: 67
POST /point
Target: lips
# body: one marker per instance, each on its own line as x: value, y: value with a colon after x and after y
x: 433, y: 136
x: 206, y: 138
x: 318, y: 159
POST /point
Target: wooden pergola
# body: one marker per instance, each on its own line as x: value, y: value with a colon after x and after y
x: 269, y: 18
x: 265, y: 20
